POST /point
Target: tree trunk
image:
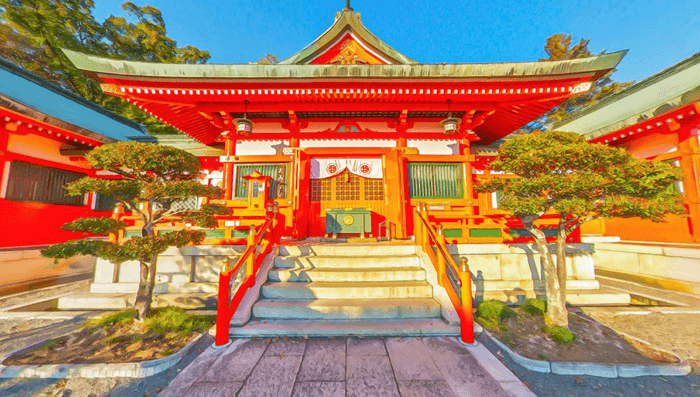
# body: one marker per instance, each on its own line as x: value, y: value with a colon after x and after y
x: 147, y: 282
x: 556, y: 305
x: 561, y: 257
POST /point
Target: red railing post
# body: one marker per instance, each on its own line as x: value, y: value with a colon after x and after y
x: 467, y: 318
x: 418, y: 226
x: 223, y: 321
x: 440, y: 256
x: 250, y: 261
x: 426, y: 235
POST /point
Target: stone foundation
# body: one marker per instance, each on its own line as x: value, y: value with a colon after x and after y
x: 666, y: 266
x: 188, y: 269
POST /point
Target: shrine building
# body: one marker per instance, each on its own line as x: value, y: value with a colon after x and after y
x: 348, y: 126
x: 45, y: 131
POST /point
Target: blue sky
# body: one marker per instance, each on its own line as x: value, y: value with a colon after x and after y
x: 657, y: 33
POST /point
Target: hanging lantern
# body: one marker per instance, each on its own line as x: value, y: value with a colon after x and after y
x: 244, y: 127
x: 450, y: 125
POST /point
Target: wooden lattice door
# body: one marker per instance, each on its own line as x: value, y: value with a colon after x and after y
x: 345, y: 190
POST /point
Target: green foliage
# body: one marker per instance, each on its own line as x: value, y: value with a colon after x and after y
x: 562, y: 172
x: 95, y: 225
x: 121, y: 317
x: 145, y: 161
x: 162, y: 321
x: 535, y: 307
x: 48, y: 344
x: 494, y: 310
x: 560, y: 335
x: 34, y: 31
x: 204, y: 217
x: 560, y: 47
x: 169, y: 319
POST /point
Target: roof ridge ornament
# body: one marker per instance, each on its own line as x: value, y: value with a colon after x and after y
x: 347, y: 6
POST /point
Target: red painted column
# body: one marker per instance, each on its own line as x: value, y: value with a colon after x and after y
x: 4, y: 138
x: 690, y: 164
x: 228, y: 167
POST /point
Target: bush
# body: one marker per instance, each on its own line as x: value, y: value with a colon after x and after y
x: 560, y: 335
x: 494, y: 310
x: 535, y: 307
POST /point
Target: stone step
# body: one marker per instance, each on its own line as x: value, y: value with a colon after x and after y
x: 92, y: 301
x: 301, y: 274
x: 347, y: 309
x: 327, y: 261
x: 352, y: 250
x: 321, y: 328
x: 347, y: 290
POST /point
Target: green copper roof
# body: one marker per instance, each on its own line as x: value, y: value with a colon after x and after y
x: 655, y: 95
x: 35, y: 97
x: 345, y: 21
x: 117, y: 68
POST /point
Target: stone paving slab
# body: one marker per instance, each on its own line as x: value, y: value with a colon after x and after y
x: 324, y: 361
x: 224, y: 389
x: 319, y: 389
x: 425, y: 388
x: 411, y: 360
x: 370, y: 376
x: 348, y: 366
x: 236, y: 362
x: 366, y: 347
x: 272, y: 377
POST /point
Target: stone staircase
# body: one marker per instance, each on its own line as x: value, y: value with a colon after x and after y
x: 345, y: 289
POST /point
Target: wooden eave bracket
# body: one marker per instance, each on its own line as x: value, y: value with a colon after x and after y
x: 293, y: 125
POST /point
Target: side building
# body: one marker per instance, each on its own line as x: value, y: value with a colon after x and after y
x: 45, y: 132
x: 657, y: 118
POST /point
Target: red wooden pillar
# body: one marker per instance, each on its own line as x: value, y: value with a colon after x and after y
x: 690, y: 165
x: 4, y: 138
x: 228, y: 167
x: 465, y: 151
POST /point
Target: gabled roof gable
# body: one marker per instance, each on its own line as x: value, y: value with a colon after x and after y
x: 349, y: 41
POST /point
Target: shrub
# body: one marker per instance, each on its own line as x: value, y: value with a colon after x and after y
x: 535, y: 307
x: 494, y: 310
x: 560, y: 335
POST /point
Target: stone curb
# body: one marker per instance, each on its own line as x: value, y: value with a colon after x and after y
x: 594, y: 369
x: 140, y: 369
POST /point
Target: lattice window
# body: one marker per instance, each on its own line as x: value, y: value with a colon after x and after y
x: 435, y: 180
x: 374, y: 189
x: 31, y: 182
x: 320, y: 189
x: 347, y: 187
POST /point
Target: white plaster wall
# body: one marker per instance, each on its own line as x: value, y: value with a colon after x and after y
x: 341, y: 143
x: 434, y: 146
x: 260, y: 148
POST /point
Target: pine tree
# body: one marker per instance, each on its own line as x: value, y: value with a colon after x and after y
x: 560, y: 173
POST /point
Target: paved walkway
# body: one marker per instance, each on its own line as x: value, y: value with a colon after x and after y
x: 352, y: 367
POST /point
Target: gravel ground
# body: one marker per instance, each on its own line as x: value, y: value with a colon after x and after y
x: 113, y: 387
x: 678, y: 333
x: 550, y: 385
x: 674, y: 332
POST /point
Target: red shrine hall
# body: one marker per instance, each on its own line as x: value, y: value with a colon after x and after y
x: 351, y: 134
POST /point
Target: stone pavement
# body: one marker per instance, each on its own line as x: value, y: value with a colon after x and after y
x: 352, y: 367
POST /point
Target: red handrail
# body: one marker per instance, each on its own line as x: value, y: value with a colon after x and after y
x: 249, y: 261
x: 460, y: 290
